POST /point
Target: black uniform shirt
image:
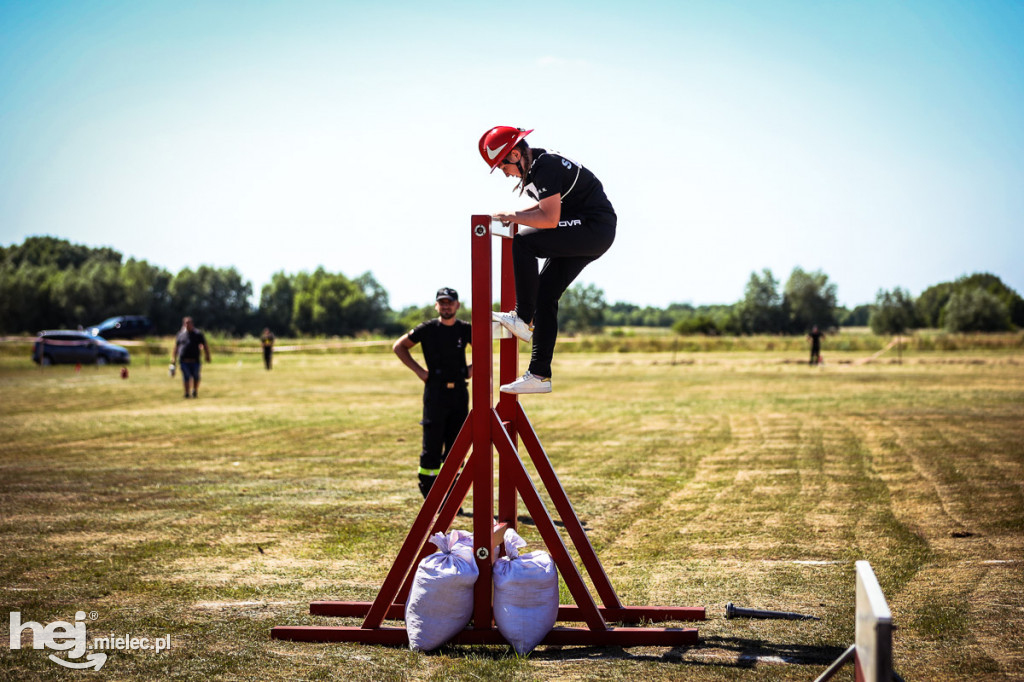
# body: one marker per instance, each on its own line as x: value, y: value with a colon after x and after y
x: 188, y: 345
x: 444, y: 348
x: 582, y: 193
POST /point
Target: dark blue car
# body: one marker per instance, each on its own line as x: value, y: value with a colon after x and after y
x: 57, y: 346
x: 123, y: 327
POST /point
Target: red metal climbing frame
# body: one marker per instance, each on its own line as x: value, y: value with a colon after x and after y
x: 489, y: 428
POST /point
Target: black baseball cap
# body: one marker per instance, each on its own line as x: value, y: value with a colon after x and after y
x: 447, y: 292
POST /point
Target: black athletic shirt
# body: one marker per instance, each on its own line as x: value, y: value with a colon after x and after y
x: 444, y: 348
x: 582, y: 193
x: 188, y: 345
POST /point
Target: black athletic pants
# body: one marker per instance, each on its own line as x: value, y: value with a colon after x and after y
x: 568, y: 249
x: 444, y: 411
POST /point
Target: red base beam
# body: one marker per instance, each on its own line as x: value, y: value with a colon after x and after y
x: 558, y: 636
x: 622, y: 614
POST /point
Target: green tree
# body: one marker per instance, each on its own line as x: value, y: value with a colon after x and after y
x: 374, y: 311
x: 995, y: 286
x: 809, y: 300
x: 58, y: 253
x: 410, y: 316
x: 328, y: 303
x: 893, y: 312
x: 147, y: 292
x: 89, y: 294
x: 860, y: 316
x: 25, y: 304
x: 761, y: 311
x: 214, y: 298
x: 620, y: 314
x: 277, y: 301
x: 976, y: 310
x: 698, y: 323
x: 581, y: 309
x: 931, y: 302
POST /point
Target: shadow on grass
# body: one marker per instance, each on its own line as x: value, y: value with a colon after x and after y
x: 727, y: 652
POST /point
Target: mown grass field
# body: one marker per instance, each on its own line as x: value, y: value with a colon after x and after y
x: 744, y: 477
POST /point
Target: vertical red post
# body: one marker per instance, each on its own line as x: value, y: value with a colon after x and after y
x: 508, y: 371
x: 482, y: 397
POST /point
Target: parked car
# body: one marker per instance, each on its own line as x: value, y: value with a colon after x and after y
x: 123, y: 327
x: 58, y: 346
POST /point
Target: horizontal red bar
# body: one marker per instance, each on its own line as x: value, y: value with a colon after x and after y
x: 353, y: 609
x: 624, y: 614
x: 307, y: 633
x: 557, y: 636
x: 636, y: 614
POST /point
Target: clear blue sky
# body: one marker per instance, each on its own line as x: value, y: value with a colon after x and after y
x: 881, y: 142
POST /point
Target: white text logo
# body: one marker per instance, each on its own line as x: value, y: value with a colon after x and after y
x: 71, y: 637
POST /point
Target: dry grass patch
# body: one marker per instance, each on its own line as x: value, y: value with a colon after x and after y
x: 701, y: 478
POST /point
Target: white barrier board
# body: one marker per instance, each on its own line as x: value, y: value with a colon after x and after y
x: 874, y: 628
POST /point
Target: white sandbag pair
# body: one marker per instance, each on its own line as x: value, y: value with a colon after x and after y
x: 440, y: 603
x: 525, y: 595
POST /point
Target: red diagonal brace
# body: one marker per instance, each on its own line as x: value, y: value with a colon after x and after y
x: 565, y: 511
x: 420, y: 531
x: 546, y: 527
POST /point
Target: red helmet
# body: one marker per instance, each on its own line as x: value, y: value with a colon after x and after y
x: 497, y: 142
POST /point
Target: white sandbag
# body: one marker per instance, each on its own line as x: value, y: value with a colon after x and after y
x: 440, y: 603
x: 525, y: 595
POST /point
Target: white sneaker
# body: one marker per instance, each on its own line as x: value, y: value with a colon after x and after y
x: 528, y: 383
x: 511, y: 322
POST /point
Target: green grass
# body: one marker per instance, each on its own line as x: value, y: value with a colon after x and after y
x: 702, y: 478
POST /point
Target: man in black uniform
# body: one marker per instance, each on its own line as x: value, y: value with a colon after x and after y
x: 815, y: 337
x: 445, y: 396
x: 267, y: 341
x: 186, y: 354
x: 572, y: 224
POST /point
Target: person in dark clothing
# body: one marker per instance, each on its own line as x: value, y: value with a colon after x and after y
x: 186, y: 354
x: 815, y: 337
x: 445, y: 395
x: 571, y: 224
x: 267, y: 341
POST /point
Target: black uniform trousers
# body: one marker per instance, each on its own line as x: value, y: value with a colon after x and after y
x: 444, y: 411
x: 569, y: 249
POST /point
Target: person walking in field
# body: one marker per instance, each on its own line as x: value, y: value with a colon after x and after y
x: 815, y: 337
x: 445, y: 395
x: 186, y: 353
x: 571, y: 224
x: 267, y: 341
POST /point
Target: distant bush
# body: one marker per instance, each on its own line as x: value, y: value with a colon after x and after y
x: 893, y: 312
x: 975, y: 310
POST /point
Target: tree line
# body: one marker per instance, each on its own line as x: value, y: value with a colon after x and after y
x: 979, y: 302
x: 47, y: 282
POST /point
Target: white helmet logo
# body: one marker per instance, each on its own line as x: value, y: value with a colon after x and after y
x: 492, y: 153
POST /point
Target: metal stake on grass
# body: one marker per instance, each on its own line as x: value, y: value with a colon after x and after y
x: 741, y: 612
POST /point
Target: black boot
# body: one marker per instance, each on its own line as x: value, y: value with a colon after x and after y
x: 426, y: 483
